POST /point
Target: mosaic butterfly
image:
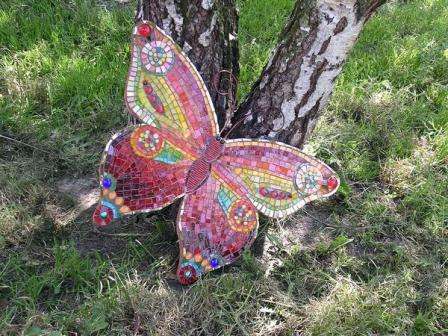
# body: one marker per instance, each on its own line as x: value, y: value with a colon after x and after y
x: 177, y: 152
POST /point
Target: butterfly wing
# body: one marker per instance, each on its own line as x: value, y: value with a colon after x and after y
x: 165, y: 89
x: 142, y: 173
x: 143, y: 169
x: 215, y: 223
x: 279, y: 179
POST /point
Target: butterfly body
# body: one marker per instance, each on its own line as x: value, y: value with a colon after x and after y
x: 177, y: 153
x: 201, y: 168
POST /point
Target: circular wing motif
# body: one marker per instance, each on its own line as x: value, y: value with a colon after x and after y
x: 187, y: 274
x: 157, y: 57
x: 308, y: 179
x: 146, y: 142
x: 103, y: 215
x: 242, y: 216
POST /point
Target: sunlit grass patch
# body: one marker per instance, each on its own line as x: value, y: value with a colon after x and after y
x: 62, y: 64
x: 350, y: 308
x: 258, y: 33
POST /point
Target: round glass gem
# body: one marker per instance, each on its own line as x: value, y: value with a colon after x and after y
x: 107, y: 182
x: 332, y: 183
x: 144, y: 30
x: 214, y: 262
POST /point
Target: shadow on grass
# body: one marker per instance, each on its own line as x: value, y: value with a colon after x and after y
x: 66, y: 265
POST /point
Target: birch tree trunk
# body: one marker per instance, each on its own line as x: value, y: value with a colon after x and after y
x: 207, y: 32
x: 296, y: 84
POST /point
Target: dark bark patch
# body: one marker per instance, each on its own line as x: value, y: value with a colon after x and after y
x: 324, y: 46
x: 320, y: 67
x: 336, y: 65
x: 340, y: 26
x: 328, y: 18
x: 305, y: 128
x: 373, y: 7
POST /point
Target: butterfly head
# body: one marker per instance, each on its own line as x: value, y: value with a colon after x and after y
x: 220, y: 139
x: 213, y: 149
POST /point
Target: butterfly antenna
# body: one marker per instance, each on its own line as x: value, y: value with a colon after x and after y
x: 236, y: 125
x: 228, y: 92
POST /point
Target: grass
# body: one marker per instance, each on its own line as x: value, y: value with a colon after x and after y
x: 370, y: 261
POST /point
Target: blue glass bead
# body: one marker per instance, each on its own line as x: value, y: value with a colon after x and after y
x: 214, y: 262
x: 107, y: 183
x: 103, y: 215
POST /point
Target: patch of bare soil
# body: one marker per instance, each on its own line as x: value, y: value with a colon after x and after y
x: 303, y: 230
x: 112, y: 240
x: 84, y: 191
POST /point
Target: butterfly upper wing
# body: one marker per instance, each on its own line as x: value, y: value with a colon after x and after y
x: 279, y: 179
x: 215, y: 223
x: 143, y: 169
x: 165, y: 89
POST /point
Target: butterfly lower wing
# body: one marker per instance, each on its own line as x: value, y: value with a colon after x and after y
x: 279, y: 179
x: 165, y: 89
x: 215, y: 224
x: 143, y: 169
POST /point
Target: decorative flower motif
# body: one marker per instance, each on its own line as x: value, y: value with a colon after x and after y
x: 187, y: 274
x: 242, y: 216
x: 157, y: 57
x: 103, y: 215
x: 146, y: 142
x: 308, y: 179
